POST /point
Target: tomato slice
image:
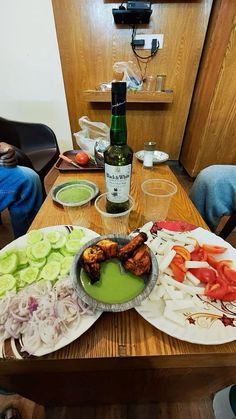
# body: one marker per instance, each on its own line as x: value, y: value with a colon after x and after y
x: 204, y: 275
x: 217, y: 289
x: 180, y: 250
x: 199, y: 254
x: 178, y: 273
x: 214, y: 249
x: 230, y: 296
x: 178, y: 260
x: 212, y: 261
x: 229, y: 274
x: 221, y: 266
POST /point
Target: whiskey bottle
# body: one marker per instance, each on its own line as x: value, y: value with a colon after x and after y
x: 118, y: 157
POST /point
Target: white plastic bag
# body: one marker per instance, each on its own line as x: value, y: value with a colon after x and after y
x: 132, y: 79
x: 90, y: 133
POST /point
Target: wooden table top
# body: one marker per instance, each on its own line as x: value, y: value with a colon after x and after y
x: 127, y: 335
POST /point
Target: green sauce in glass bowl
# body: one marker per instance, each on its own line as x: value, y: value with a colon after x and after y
x: 74, y: 192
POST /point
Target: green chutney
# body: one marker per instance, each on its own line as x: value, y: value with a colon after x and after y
x: 74, y: 194
x: 113, y: 286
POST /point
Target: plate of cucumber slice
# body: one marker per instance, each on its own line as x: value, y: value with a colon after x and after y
x: 39, y: 309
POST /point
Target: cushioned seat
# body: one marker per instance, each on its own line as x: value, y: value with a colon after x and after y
x: 37, y: 141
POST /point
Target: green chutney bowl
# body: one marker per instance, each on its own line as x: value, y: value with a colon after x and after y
x: 74, y: 193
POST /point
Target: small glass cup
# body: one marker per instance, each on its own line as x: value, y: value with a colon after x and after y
x: 149, y: 84
x: 113, y: 223
x: 157, y: 198
x: 160, y: 82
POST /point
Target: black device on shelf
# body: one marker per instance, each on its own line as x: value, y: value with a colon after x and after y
x: 137, y: 12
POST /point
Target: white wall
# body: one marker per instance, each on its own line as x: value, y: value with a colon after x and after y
x: 31, y: 82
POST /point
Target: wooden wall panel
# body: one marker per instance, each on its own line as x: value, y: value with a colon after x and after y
x: 210, y: 136
x: 90, y: 43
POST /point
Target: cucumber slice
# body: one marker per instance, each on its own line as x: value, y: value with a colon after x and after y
x: 73, y: 245
x: 38, y: 263
x: 29, y: 254
x: 34, y: 236
x: 8, y: 264
x: 76, y: 234
x: 7, y: 253
x: 60, y: 242
x: 51, y: 271
x: 66, y: 265
x: 65, y: 252
x: 53, y: 236
x: 55, y: 257
x: 7, y: 283
x: 29, y: 275
x: 41, y: 249
x: 22, y: 257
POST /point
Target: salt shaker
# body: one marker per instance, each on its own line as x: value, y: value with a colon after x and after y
x: 149, y: 148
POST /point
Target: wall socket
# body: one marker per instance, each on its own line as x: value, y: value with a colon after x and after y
x: 148, y: 40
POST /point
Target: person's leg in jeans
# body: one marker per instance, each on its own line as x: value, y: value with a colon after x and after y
x: 21, y: 193
x: 214, y: 193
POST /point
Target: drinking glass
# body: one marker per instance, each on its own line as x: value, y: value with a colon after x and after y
x: 157, y: 196
x: 113, y: 223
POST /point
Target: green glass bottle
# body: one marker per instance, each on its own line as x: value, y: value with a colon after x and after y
x: 118, y: 157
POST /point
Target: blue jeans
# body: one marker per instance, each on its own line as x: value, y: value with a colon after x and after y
x: 214, y: 193
x: 21, y: 193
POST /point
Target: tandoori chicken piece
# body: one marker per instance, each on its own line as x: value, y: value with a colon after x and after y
x: 109, y: 247
x: 93, y: 271
x: 93, y: 254
x: 128, y: 249
x: 140, y: 262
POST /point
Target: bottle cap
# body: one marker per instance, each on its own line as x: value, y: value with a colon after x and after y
x: 149, y: 145
x: 118, y: 87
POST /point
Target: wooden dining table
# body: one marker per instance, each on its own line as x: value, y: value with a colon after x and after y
x: 122, y: 358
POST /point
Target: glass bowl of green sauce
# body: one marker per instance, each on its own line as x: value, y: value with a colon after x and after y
x: 74, y: 192
x: 117, y: 288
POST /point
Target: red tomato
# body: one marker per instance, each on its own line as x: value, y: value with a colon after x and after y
x: 214, y: 249
x: 177, y: 272
x: 180, y: 250
x: 82, y: 158
x: 221, y: 266
x: 217, y: 289
x: 230, y: 296
x: 212, y: 261
x: 199, y: 254
x: 229, y: 274
x: 204, y: 274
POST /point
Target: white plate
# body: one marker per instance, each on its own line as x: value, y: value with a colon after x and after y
x: 212, y: 324
x: 86, y: 321
x: 159, y: 156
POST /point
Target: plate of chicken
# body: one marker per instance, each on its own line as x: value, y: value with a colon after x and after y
x: 115, y: 272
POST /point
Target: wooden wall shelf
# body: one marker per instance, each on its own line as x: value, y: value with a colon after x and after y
x: 132, y: 97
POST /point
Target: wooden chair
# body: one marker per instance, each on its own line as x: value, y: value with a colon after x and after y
x: 228, y: 227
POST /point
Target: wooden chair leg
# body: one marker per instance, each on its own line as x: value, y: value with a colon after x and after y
x: 228, y: 227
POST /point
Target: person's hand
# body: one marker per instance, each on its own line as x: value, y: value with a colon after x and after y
x: 7, y: 154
